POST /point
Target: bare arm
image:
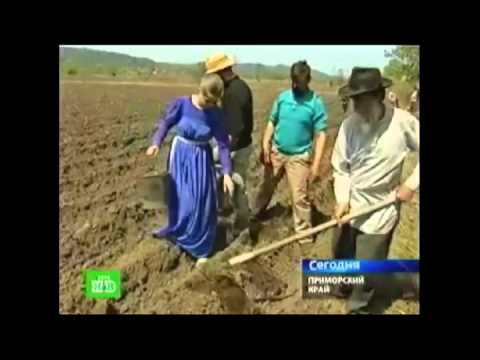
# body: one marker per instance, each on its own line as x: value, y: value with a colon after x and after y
x: 319, y: 146
x: 267, y: 142
x: 319, y: 126
x: 267, y: 136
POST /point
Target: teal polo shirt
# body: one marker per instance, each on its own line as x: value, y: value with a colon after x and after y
x: 296, y: 121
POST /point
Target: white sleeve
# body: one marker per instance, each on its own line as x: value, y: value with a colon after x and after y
x: 413, y: 182
x: 412, y: 132
x: 341, y: 167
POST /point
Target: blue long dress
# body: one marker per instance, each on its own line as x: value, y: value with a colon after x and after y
x: 193, y: 195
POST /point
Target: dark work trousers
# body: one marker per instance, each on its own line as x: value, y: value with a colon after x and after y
x: 378, y: 290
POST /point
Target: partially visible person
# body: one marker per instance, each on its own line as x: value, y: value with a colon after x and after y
x: 393, y: 99
x: 237, y: 104
x: 297, y: 124
x: 345, y: 101
x: 414, y: 104
x: 367, y: 162
x: 192, y: 205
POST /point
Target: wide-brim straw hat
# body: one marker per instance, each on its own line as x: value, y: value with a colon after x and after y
x: 364, y: 80
x: 218, y: 62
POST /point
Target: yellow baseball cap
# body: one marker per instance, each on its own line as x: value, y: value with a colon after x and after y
x: 217, y: 62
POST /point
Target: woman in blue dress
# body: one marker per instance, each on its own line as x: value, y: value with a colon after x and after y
x: 192, y: 204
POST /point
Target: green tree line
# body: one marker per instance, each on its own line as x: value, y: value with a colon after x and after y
x: 404, y: 63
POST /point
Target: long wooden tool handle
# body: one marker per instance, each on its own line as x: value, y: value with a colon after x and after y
x: 250, y: 255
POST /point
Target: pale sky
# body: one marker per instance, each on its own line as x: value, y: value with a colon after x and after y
x: 325, y: 58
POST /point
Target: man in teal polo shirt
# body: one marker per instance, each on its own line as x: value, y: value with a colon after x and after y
x: 297, y: 124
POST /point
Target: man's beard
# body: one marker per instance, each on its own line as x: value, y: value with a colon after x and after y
x: 364, y: 123
x: 368, y: 120
x: 365, y: 127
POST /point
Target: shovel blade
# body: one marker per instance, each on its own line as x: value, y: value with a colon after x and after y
x: 153, y: 191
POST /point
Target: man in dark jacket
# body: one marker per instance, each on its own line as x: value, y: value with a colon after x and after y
x: 237, y: 105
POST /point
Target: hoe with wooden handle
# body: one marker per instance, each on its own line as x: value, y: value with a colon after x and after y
x: 252, y: 254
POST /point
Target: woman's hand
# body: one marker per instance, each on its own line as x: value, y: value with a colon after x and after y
x: 228, y: 185
x: 152, y: 151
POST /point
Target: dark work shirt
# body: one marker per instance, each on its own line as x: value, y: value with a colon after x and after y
x: 237, y: 104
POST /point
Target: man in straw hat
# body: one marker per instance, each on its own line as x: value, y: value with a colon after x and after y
x: 367, y: 164
x: 237, y: 105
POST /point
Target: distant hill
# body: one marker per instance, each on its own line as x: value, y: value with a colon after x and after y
x: 87, y: 61
x: 86, y: 58
x: 276, y: 72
